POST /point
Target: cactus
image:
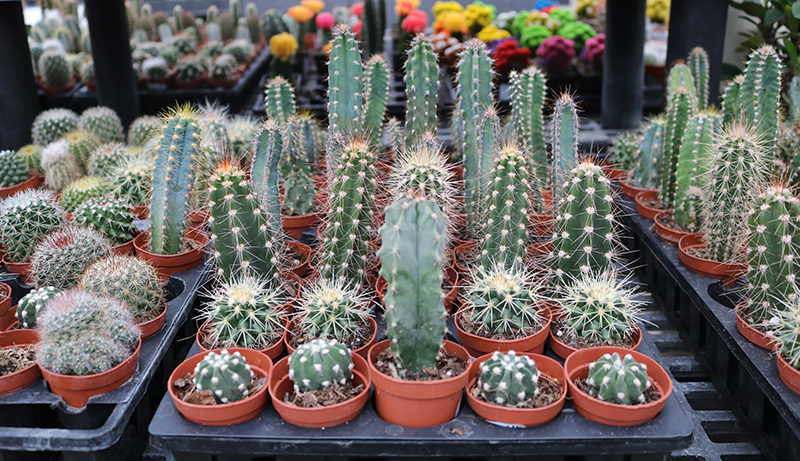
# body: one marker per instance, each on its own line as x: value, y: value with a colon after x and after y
x: 59, y: 165
x: 794, y: 99
x: 51, y: 124
x: 508, y: 380
x: 272, y: 23
x: 142, y: 129
x: 788, y: 333
x: 87, y: 72
x: 501, y: 300
x: 279, y: 99
x: 680, y: 109
x: 414, y: 238
x: 373, y: 26
x: 13, y: 169
x: 618, y: 380
x: 698, y: 64
x: 731, y: 102
x: 376, y: 92
x: 228, y: 376
x: 61, y: 258
x: 83, y: 189
x: 298, y: 186
x: 565, y: 142
x: 625, y: 150
x: 213, y: 32
x: 25, y: 219
x: 332, y: 309
x: 269, y: 147
x: 55, y: 69
x: 421, y: 80
x: 111, y: 218
x: 106, y: 158
x: 222, y: 68
x: 81, y: 145
x: 102, y: 122
x: 239, y: 49
x: 647, y: 171
x: 319, y: 365
x: 773, y: 250
x: 693, y: 159
x: 172, y: 179
x: 477, y: 184
x: 527, y: 100
x: 423, y: 168
x: 680, y: 76
x: 253, y: 24
x: 225, y: 21
x: 128, y: 279
x: 244, y: 312
x: 31, y: 154
x: 83, y: 334
x: 584, y: 238
x: 738, y: 170
x: 133, y: 179
x: 242, y: 130
x: 211, y: 14
x: 155, y: 68
x: 190, y: 69
x: 759, y: 94
x: 690, y: 208
x: 31, y: 305
x: 393, y: 130
x: 344, y: 82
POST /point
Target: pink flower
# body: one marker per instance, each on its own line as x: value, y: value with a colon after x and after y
x: 325, y: 21
x: 357, y: 9
x: 415, y: 22
x: 357, y: 29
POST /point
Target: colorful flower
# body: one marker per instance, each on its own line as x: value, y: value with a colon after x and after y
x: 403, y: 7
x: 314, y: 5
x: 300, y: 13
x: 283, y: 45
x: 415, y: 22
x: 479, y: 15
x: 491, y: 32
x: 325, y: 21
x: 357, y: 9
x: 442, y: 8
x: 509, y: 56
x: 454, y: 22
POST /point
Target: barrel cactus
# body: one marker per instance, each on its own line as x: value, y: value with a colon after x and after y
x: 509, y: 379
x: 106, y: 158
x: 31, y: 154
x: 133, y: 179
x: 51, y: 124
x: 13, y: 169
x: 319, y: 365
x: 619, y: 380
x: 61, y: 258
x: 142, y: 129
x: 55, y: 69
x: 423, y: 167
x: 25, y: 219
x: 788, y: 332
x: 30, y: 305
x: 81, y: 145
x: 332, y: 309
x: 128, y: 279
x: 83, y: 189
x: 502, y: 300
x: 111, y: 218
x: 102, y: 122
x: 228, y: 376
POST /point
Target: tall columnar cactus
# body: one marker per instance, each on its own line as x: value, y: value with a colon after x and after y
x: 332, y: 309
x: 31, y: 305
x: 279, y: 99
x: 52, y: 124
x: 344, y: 82
x: 319, y: 365
x: 527, y: 101
x: 228, y: 376
x: 128, y: 279
x: 508, y: 379
x: 647, y: 171
x: 619, y: 380
x: 565, y: 142
x: 422, y: 84
x: 423, y: 168
x: 269, y: 147
x: 414, y: 238
x: 172, y: 179
x: 501, y: 300
x: 693, y: 159
x: 373, y: 26
x: 59, y: 166
x: 794, y: 99
x: 479, y: 180
x: 772, y: 252
x: 13, y: 169
x: 698, y: 63
x: 112, y: 218
x: 102, y: 122
x: 393, y: 130
x: 83, y: 189
x: 61, y: 258
x: 760, y: 94
x: 680, y: 109
x: 376, y: 93
x: 738, y: 171
x: 731, y: 101
x: 680, y: 76
x: 25, y: 219
x: 298, y: 185
x: 133, y: 179
x: 584, y: 239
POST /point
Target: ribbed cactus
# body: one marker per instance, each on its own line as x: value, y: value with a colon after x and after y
x: 13, y: 169
x: 421, y: 79
x: 760, y: 94
x: 81, y: 145
x: 508, y: 379
x: 731, y: 101
x: 393, y: 130
x: 222, y: 68
x: 376, y: 93
x: 61, y: 258
x: 59, y: 166
x: 228, y: 376
x: 619, y: 380
x: 25, y: 219
x: 647, y: 171
x: 102, y: 122
x: 698, y: 63
x: 373, y: 26
x: 332, y: 309
x: 584, y: 239
x: 788, y: 333
x: 279, y: 99
x: 269, y: 147
x: 133, y: 179
x: 423, y: 168
x: 112, y: 218
x: 297, y: 166
x: 772, y: 251
x: 794, y: 99
x: 625, y: 150
x: 345, y: 90
x: 29, y: 307
x: 31, y: 154
x: 106, y: 158
x: 565, y: 142
x: 414, y: 239
x: 172, y: 179
x: 128, y: 279
x: 690, y: 208
x: 680, y: 76
x: 319, y: 365
x: 52, y: 124
x: 83, y: 189
x: 479, y: 180
x: 501, y: 300
x: 527, y: 101
x: 55, y: 69
x: 693, y: 159
x: 680, y: 109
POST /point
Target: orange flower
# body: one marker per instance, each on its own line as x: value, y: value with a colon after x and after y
x: 314, y: 5
x: 403, y: 7
x: 300, y: 13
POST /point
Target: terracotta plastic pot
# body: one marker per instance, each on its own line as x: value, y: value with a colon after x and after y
x: 520, y: 417
x: 141, y: 211
x: 34, y: 181
x: 305, y: 251
x: 362, y: 351
x: 478, y: 345
x: 21, y: 269
x: 547, y: 196
x: 76, y: 390
x: 273, y: 352
x: 124, y: 249
x: 318, y: 417
x: 153, y: 326
x: 541, y: 224
x: 667, y: 234
x: 462, y: 248
x: 563, y: 350
x: 417, y: 403
x: 615, y: 174
x: 167, y: 265
x: 789, y: 374
x: 577, y: 367
x: 647, y: 211
x: 540, y: 248
x: 7, y: 315
x: 56, y: 90
x: 754, y: 335
x: 198, y: 218
x: 222, y: 414
x: 23, y: 378
x: 629, y: 190
x: 295, y: 225
x: 707, y: 267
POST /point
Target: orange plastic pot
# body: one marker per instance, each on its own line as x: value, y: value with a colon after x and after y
x: 23, y: 378
x: 667, y: 234
x: 707, y: 267
x: 222, y: 414
x: 34, y: 181
x: 273, y: 352
x: 152, y: 326
x: 615, y: 174
x: 198, y: 218
x: 478, y: 345
x: 754, y: 335
x: 577, y: 367
x: 632, y: 191
x: 417, y: 403
x: 76, y: 390
x: 540, y: 248
x: 541, y: 224
x: 647, y: 211
x: 123, y: 249
x: 362, y: 351
x: 789, y: 374
x: 295, y: 225
x: 462, y: 248
x: 547, y: 196
x: 141, y: 211
x: 21, y: 269
x: 563, y: 350
x: 167, y: 265
x: 7, y: 314
x: 305, y: 251
x: 520, y: 417
x: 318, y: 417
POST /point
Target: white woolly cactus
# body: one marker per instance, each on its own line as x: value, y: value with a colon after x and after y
x: 59, y: 165
x: 508, y: 379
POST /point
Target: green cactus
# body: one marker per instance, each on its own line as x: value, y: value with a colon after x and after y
x: 106, y: 158
x: 81, y: 145
x: 13, y: 169
x: 680, y: 76
x: 222, y: 68
x: 332, y: 309
x: 25, y: 219
x: 83, y: 189
x: 647, y: 171
x: 61, y: 258
x: 31, y: 154
x: 279, y: 99
x: 690, y: 209
x: 759, y: 95
x: 111, y: 218
x: 794, y: 99
x: 52, y: 124
x: 527, y: 100
x: 269, y: 147
x: 239, y: 49
x: 87, y: 72
x: 565, y: 142
x: 698, y: 63
x: 344, y: 82
x: 625, y: 150
x: 788, y: 333
x: 272, y: 23
x: 128, y: 279
x: 501, y: 300
x: 508, y: 380
x: 319, y: 365
x: 693, y: 159
x: 253, y: 24
x: 59, y: 165
x: 155, y: 68
x: 228, y: 376
x: 142, y: 129
x: 133, y: 179
x: 478, y: 182
x: 731, y: 101
x: 421, y: 80
x: 618, y: 380
x: 213, y: 32
x: 298, y: 186
x: 373, y: 26
x: 414, y: 238
x: 242, y: 131
x: 102, y: 122
x: 212, y: 12
x: 393, y: 129
x: 226, y: 25
x: 55, y: 69
x: 190, y: 69
x: 376, y: 92
x: 423, y: 168
x: 680, y: 109
x: 29, y: 307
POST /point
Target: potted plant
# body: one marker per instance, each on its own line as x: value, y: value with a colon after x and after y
x: 418, y: 376
x: 30, y: 306
x: 616, y: 386
x: 6, y: 313
x: 62, y: 257
x: 112, y: 218
x: 321, y: 384
x: 645, y: 174
x: 15, y: 175
x: 18, y: 368
x: 299, y: 200
x: 189, y: 73
x: 624, y: 155
x: 521, y: 389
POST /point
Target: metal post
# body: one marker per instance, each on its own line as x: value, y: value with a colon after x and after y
x: 19, y: 103
x: 623, y: 64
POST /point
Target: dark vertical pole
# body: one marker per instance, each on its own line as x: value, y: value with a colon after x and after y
x: 113, y: 66
x: 698, y: 23
x: 623, y: 64
x: 19, y: 103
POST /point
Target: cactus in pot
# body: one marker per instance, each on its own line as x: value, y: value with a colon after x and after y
x: 111, y: 218
x: 698, y: 64
x: 31, y: 154
x: 279, y: 99
x: 25, y: 219
x: 319, y: 365
x: 83, y: 189
x: 680, y: 76
x: 55, y: 69
x: 618, y: 380
x: 61, y: 258
x: 788, y: 333
x: 31, y: 305
x: 228, y: 376
x: 423, y: 167
x: 690, y: 209
x: 51, y: 124
x: 102, y: 122
x: 565, y: 143
x: 693, y: 160
x: 647, y: 171
x: 128, y: 279
x: 680, y: 109
x: 528, y: 89
x: 106, y: 158
x: 345, y: 83
x: 333, y: 309
x: 222, y: 68
x: 421, y: 80
x: 13, y: 169
x: 508, y: 379
x: 59, y: 166
x: 142, y: 129
x: 759, y: 94
x: 625, y: 151
x: 301, y: 134
x: 269, y: 146
x: 133, y: 179
x: 81, y: 145
x: 731, y: 103
x: 376, y: 92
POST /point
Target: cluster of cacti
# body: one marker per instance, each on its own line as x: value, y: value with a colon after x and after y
x: 565, y: 143
x: 25, y: 219
x: 527, y: 101
x: 228, y: 376
x: 13, y: 169
x: 320, y: 364
x: 681, y: 107
x: 279, y: 99
x: 301, y: 135
x: 508, y: 379
x: 83, y: 189
x: 110, y: 217
x: 223, y: 67
x: 647, y: 171
x: 142, y: 129
x: 31, y: 154
x: 30, y: 305
x: 332, y: 309
x: 501, y: 300
x: 133, y: 179
x: 190, y: 69
x: 422, y: 167
x: 698, y: 64
x: 345, y: 83
x: 376, y: 93
x: 102, y: 122
x: 128, y: 279
x: 626, y: 150
x: 84, y: 334
x: 52, y: 124
x: 61, y: 258
x: 81, y: 145
x: 106, y: 158
x: 421, y: 80
x: 414, y: 238
x: 693, y: 162
x: 618, y: 380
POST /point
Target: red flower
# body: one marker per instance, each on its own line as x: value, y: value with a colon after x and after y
x: 509, y: 56
x: 357, y: 9
x: 415, y: 22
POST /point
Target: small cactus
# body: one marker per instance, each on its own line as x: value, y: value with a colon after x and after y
x: 681, y: 108
x: 55, y: 69
x: 13, y: 169
x: 501, y: 300
x: 319, y: 365
x: 301, y: 135
x: 106, y: 158
x: 376, y: 92
x: 760, y: 94
x: 83, y: 189
x: 190, y: 69
x: 508, y: 379
x: 680, y: 76
x: 142, y: 129
x: 279, y: 99
x: 345, y: 82
x: 731, y: 103
x: 111, y: 218
x: 61, y: 258
x: 129, y: 280
x: 619, y: 380
x: 528, y: 90
x: 625, y: 151
x: 565, y: 143
x: 788, y: 332
x: 228, y: 376
x: 81, y: 145
x: 242, y: 130
x: 31, y: 154
x: 647, y: 171
x: 693, y: 159
x: 29, y: 307
x: 698, y: 64
x: 133, y: 179
x: 690, y: 209
x: 102, y: 122
x: 421, y: 80
x: 332, y: 309
x: 25, y: 219
x: 423, y: 167
x: 51, y: 124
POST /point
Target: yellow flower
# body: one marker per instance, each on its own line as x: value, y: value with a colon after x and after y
x: 314, y: 5
x: 454, y: 22
x: 283, y: 45
x: 478, y: 16
x: 442, y: 8
x: 491, y: 32
x: 587, y: 8
x: 327, y: 48
x: 403, y: 7
x: 301, y: 13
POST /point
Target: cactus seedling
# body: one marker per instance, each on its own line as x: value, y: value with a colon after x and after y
x: 302, y: 135
x: 508, y: 379
x: 31, y: 305
x: 619, y: 380
x: 61, y: 258
x: 128, y: 279
x: 731, y: 102
x: 228, y: 376
x: 25, y: 219
x: 81, y: 145
x: 680, y: 76
x: 319, y: 365
x: 55, y: 69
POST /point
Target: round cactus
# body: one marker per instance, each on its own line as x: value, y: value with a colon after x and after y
x: 83, y: 189
x: 59, y: 166
x: 81, y: 145
x: 55, y: 69
x: 106, y: 158
x: 102, y: 122
x: 189, y: 70
x: 31, y: 154
x: 53, y: 124
x: 242, y: 133
x: 557, y: 52
x: 61, y: 258
x: 112, y: 218
x: 239, y: 49
x: 500, y: 300
x: 332, y: 310
x: 319, y: 365
x: 508, y: 379
x: 128, y: 279
x: 133, y: 179
x: 424, y: 168
x: 13, y: 169
x: 223, y: 67
x: 228, y: 376
x: 620, y: 380
x: 25, y: 219
x: 155, y: 68
x: 31, y: 304
x: 87, y: 72
x: 142, y: 129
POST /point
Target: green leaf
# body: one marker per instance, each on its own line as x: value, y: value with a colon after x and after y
x: 751, y: 8
x: 772, y: 16
x: 796, y: 10
x: 792, y: 52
